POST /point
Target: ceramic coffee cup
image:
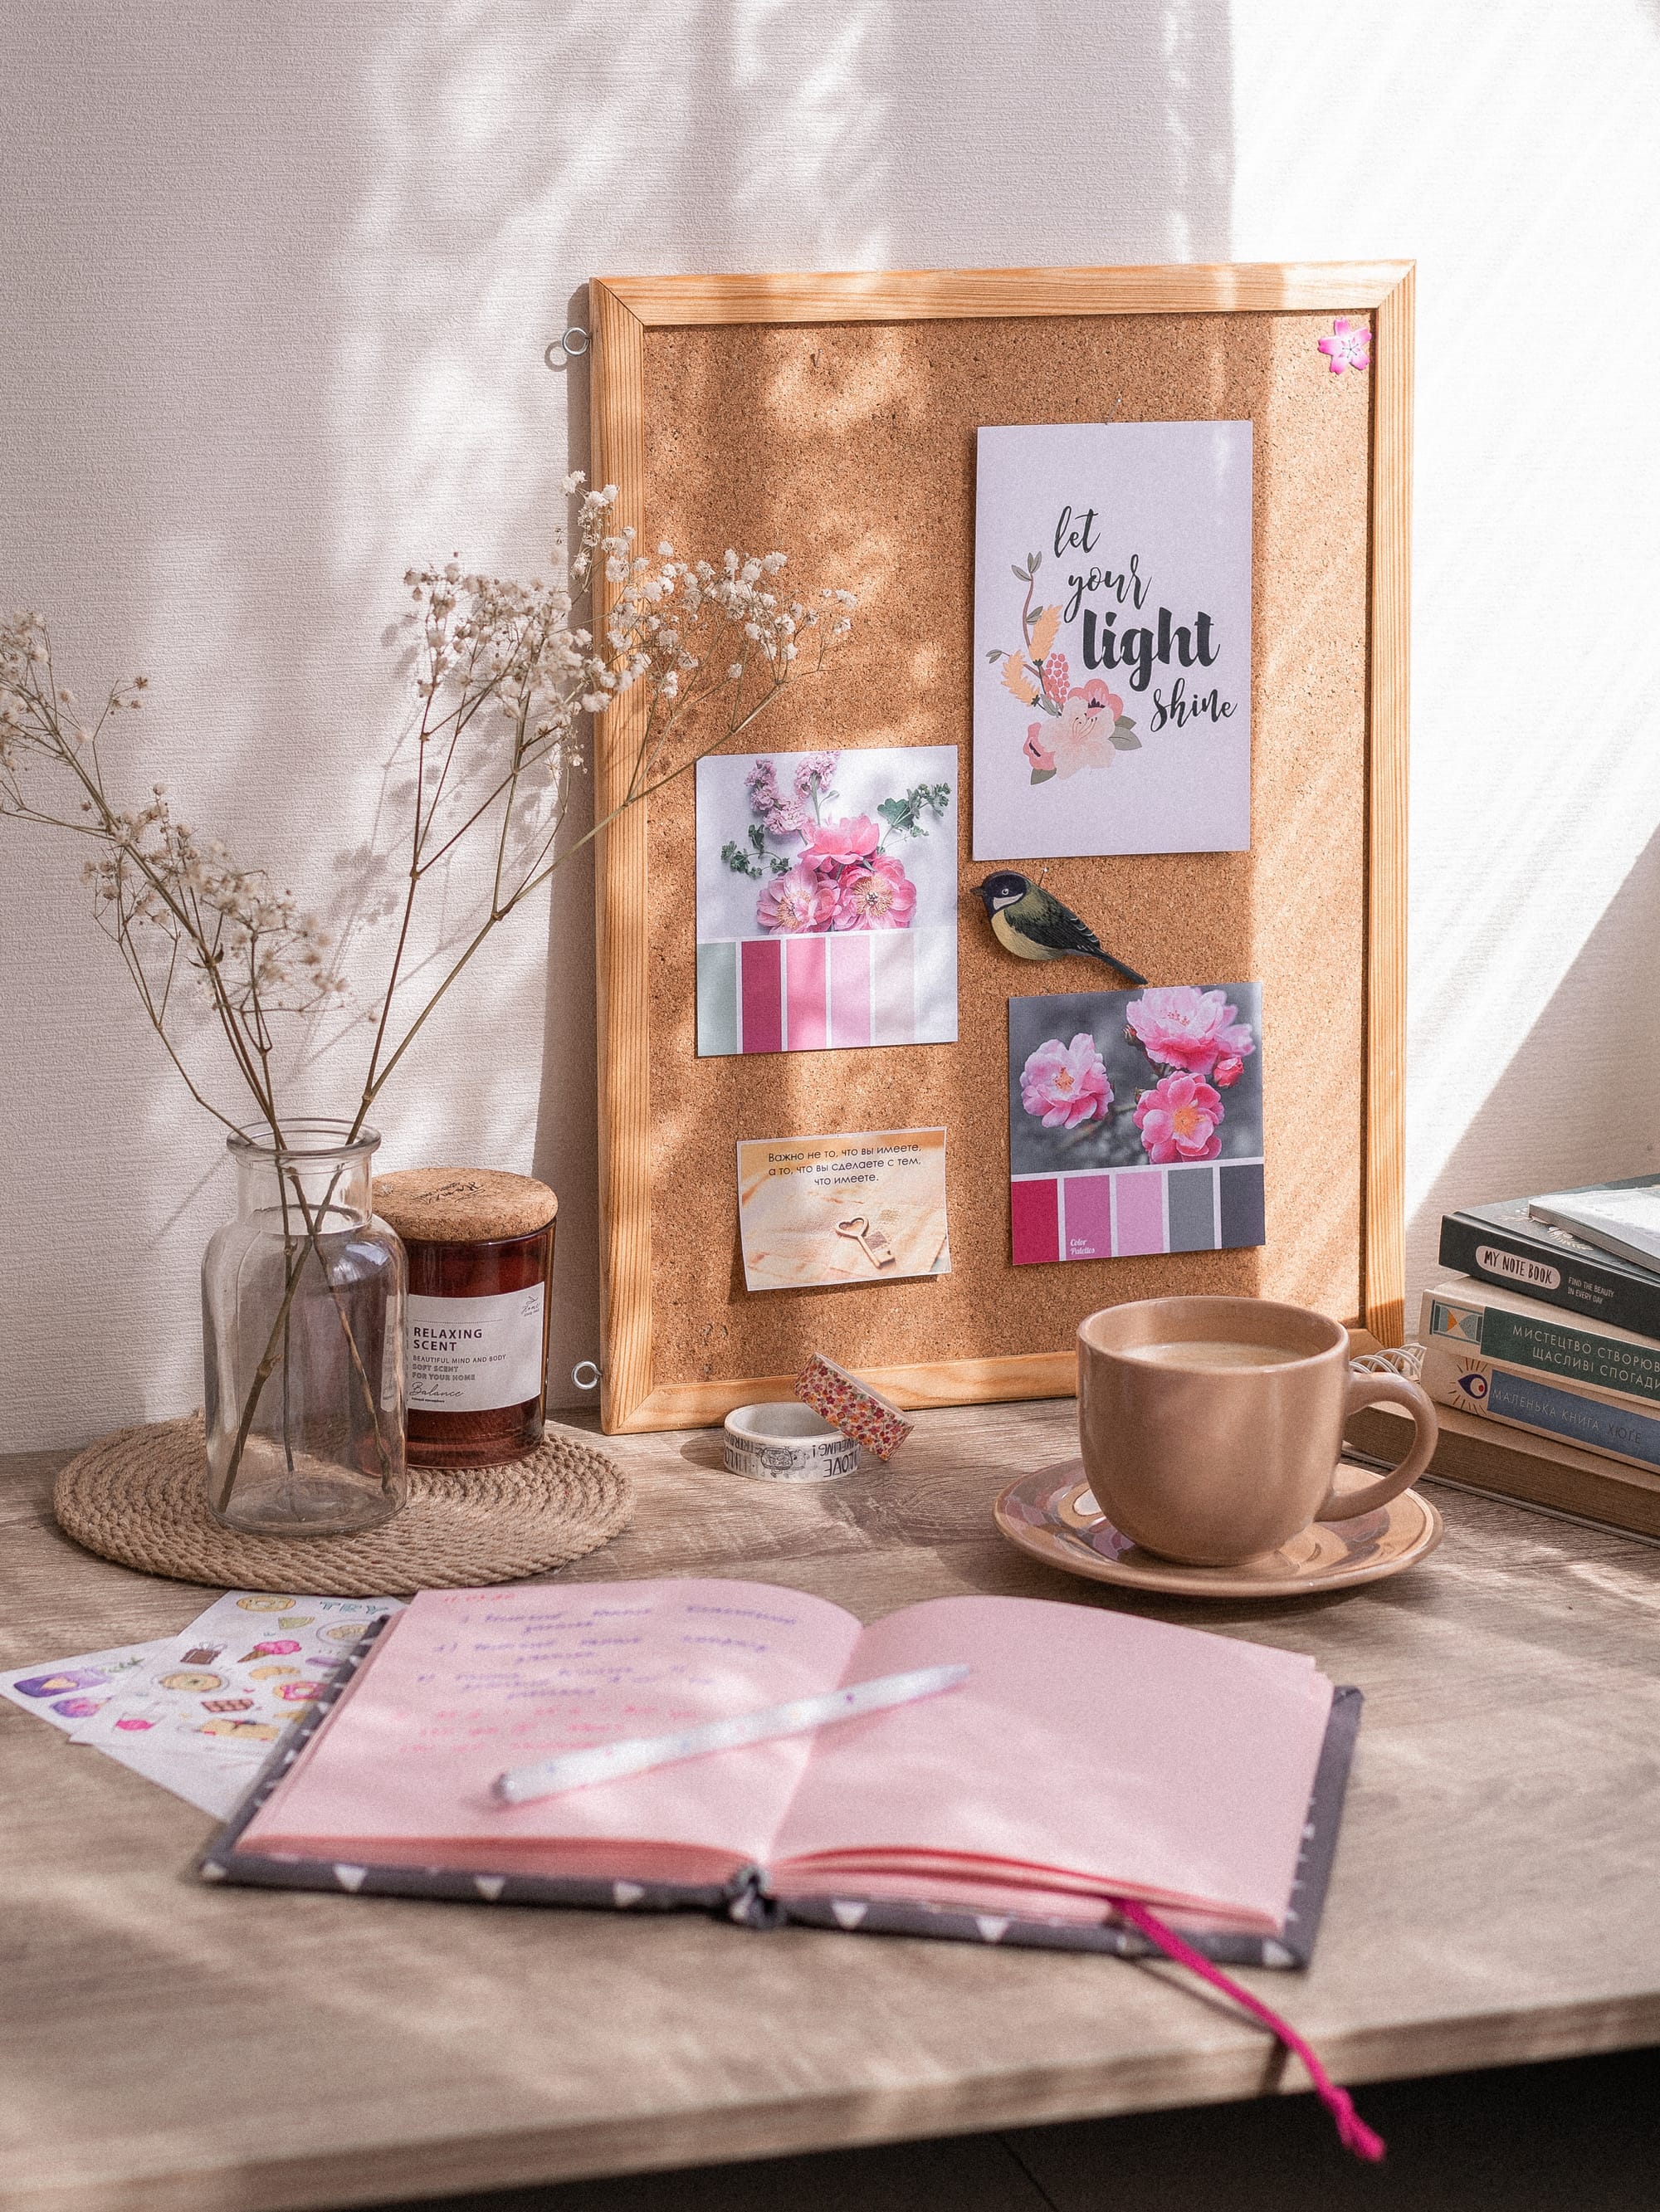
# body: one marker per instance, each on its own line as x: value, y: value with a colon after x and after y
x: 1212, y: 1427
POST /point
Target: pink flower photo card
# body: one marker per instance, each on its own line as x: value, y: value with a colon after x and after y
x: 1135, y: 1121
x: 1112, y: 659
x: 826, y: 899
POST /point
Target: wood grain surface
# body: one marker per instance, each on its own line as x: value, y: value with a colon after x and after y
x: 169, y: 2048
x: 836, y: 416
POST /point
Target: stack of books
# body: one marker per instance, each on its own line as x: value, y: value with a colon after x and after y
x: 1544, y: 1351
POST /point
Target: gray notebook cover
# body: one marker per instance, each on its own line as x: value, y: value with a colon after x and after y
x: 747, y: 1899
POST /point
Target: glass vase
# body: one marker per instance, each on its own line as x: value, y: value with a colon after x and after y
x: 302, y: 1331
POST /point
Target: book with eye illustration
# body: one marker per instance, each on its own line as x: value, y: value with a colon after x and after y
x: 1088, y: 1759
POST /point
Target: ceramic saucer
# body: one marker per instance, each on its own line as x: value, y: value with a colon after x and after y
x: 1053, y: 1514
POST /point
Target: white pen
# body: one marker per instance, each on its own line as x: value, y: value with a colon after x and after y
x: 609, y: 1762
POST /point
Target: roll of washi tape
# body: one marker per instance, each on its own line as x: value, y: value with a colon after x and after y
x: 853, y: 1406
x: 787, y: 1442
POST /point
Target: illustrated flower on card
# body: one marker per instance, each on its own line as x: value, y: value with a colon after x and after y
x: 1083, y: 736
x: 1178, y: 1025
x: 1064, y: 1085
x: 1042, y: 761
x: 1349, y: 346
x: 880, y: 896
x: 846, y: 843
x: 1178, y: 1120
x: 800, y: 900
x: 1019, y: 679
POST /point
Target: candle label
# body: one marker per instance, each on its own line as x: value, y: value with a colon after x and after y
x: 475, y: 1355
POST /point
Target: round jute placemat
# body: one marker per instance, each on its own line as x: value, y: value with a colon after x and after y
x: 137, y: 1497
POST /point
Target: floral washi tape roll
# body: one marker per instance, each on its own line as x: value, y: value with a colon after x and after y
x: 787, y: 1442
x: 852, y: 1407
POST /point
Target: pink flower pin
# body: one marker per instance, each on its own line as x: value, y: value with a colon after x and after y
x: 1349, y: 346
x: 1064, y: 1085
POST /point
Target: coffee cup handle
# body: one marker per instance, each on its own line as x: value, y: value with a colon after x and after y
x: 1372, y: 1390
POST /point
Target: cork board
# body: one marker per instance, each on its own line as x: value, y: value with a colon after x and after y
x: 840, y: 423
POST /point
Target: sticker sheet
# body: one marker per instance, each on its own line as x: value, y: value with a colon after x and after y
x: 70, y: 1692
x: 1135, y: 1121
x: 1112, y: 665
x: 867, y: 1208
x: 235, y: 1678
x: 826, y: 900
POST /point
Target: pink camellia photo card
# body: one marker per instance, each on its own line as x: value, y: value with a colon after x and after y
x: 1135, y: 1121
x: 826, y: 899
x: 1112, y: 621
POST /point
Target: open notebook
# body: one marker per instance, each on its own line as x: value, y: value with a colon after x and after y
x: 1090, y: 1755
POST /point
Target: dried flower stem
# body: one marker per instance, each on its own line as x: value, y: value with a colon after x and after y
x: 713, y: 645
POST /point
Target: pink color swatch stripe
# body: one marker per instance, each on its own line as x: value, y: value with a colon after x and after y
x: 893, y: 956
x: 1089, y: 1217
x: 1035, y: 1221
x: 762, y: 992
x: 804, y: 969
x: 849, y: 973
x: 1139, y: 1197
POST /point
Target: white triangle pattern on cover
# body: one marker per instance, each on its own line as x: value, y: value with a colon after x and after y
x: 846, y: 1915
x: 489, y: 1885
x: 352, y: 1877
x: 213, y: 1872
x: 625, y: 1894
x: 991, y: 1930
x: 1275, y: 1954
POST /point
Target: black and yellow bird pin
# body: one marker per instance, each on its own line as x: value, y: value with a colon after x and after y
x: 1032, y: 924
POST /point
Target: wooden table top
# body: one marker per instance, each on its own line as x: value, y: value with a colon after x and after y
x: 171, y: 2046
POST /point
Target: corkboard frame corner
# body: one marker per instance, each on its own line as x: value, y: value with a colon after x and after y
x: 621, y: 310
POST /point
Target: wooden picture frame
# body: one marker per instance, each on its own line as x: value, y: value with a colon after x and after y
x: 624, y: 313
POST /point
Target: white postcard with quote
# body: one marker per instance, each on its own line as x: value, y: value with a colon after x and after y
x: 1112, y: 640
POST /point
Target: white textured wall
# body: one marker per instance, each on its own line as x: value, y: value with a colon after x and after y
x: 274, y: 287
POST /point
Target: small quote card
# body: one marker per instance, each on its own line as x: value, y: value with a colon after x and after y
x: 1112, y: 665
x: 1135, y: 1121
x: 863, y: 1208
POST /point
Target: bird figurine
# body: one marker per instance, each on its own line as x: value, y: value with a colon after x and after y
x: 1032, y: 924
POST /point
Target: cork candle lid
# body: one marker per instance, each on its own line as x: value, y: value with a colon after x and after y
x: 462, y: 1206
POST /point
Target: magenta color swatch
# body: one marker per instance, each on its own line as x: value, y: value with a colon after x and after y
x: 849, y: 968
x: 762, y: 994
x: 1140, y: 1197
x: 805, y: 969
x: 1035, y: 1220
x: 893, y: 959
x: 1089, y: 1217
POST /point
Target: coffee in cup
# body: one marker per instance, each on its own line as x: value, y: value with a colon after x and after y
x: 1212, y: 1427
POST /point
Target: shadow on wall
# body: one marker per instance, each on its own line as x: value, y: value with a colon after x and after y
x: 902, y: 162
x: 298, y: 303
x: 1602, y: 1015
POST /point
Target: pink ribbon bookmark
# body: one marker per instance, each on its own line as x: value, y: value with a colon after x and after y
x: 1351, y: 2129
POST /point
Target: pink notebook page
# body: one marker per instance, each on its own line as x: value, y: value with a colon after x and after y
x: 1088, y: 1748
x: 468, y: 1682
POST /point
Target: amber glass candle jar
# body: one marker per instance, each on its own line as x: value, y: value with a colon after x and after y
x: 480, y: 1245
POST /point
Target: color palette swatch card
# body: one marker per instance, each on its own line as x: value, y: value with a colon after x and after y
x: 867, y: 1208
x: 1136, y: 1122
x: 826, y: 900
